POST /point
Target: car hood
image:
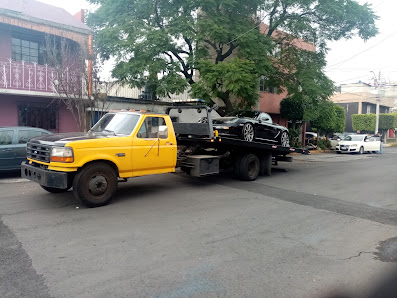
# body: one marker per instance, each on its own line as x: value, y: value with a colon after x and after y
x: 348, y: 142
x: 60, y: 139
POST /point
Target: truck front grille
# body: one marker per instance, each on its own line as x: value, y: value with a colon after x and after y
x: 38, y: 152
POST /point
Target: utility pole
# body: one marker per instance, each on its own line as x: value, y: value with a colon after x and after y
x: 378, y: 95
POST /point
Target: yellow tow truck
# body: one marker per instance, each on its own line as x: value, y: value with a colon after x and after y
x: 127, y: 144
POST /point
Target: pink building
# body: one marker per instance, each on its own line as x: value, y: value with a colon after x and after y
x: 29, y: 91
x: 269, y: 100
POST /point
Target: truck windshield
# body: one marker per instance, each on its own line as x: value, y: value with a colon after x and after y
x: 118, y: 124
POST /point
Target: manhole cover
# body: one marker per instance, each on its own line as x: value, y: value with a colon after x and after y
x: 387, y: 250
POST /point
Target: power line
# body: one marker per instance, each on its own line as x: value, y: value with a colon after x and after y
x: 375, y: 45
x: 351, y: 79
x: 248, y: 31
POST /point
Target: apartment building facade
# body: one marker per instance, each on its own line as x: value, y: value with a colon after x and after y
x: 31, y: 84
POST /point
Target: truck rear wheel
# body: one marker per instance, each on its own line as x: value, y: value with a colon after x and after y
x: 249, y: 167
x: 95, y: 185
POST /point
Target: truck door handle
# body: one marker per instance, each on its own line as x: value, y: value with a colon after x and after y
x: 168, y: 143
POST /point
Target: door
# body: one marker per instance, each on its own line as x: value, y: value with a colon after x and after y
x: 7, y: 152
x: 154, y: 149
x: 23, y: 136
x: 373, y: 144
x: 269, y: 130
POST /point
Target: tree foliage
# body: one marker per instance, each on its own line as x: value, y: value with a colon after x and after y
x: 340, y: 120
x: 170, y: 44
x: 330, y: 118
x: 367, y: 122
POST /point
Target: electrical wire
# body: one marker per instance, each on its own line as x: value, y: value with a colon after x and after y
x: 354, y: 56
x: 351, y: 79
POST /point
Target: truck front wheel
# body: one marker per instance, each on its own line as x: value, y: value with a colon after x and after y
x: 95, y: 185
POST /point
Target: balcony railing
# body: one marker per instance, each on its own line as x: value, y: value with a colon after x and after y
x: 26, y: 76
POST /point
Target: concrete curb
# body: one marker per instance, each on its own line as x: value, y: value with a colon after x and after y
x: 316, y: 152
x: 322, y: 151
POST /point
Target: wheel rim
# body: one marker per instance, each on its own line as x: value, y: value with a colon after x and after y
x: 97, y: 185
x: 248, y: 132
x: 252, y: 168
x: 284, y: 140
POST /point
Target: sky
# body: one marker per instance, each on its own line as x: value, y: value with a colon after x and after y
x: 348, y: 61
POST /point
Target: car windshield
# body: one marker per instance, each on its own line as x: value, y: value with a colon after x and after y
x: 245, y: 114
x: 353, y: 138
x: 117, y: 124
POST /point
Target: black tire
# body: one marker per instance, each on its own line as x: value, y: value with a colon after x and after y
x: 284, y: 139
x: 54, y: 190
x: 265, y: 162
x: 236, y: 166
x: 95, y: 185
x: 248, y: 132
x: 249, y: 167
x: 338, y: 152
x: 361, y: 150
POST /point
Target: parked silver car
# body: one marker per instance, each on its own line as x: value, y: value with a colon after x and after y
x: 13, y: 145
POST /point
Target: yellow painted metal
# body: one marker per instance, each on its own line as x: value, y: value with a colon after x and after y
x: 154, y: 155
x: 131, y: 155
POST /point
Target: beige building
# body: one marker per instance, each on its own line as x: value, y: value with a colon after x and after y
x: 361, y: 98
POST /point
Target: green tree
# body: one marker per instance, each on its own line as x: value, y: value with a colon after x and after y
x: 165, y: 43
x: 340, y: 120
x: 328, y: 118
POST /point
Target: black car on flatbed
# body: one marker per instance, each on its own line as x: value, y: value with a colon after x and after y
x: 252, y: 126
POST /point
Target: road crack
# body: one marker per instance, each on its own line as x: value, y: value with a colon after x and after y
x: 358, y: 255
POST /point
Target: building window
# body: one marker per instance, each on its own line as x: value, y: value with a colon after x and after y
x: 368, y: 109
x: 31, y: 114
x: 264, y: 88
x: 347, y: 108
x: 27, y: 50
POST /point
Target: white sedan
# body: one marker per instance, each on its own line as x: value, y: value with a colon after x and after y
x: 358, y: 144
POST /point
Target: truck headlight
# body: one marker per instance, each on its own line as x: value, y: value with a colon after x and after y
x: 62, y: 154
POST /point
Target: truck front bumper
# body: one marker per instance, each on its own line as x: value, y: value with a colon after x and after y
x: 44, y: 177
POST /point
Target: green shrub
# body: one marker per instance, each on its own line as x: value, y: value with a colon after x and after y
x: 367, y: 122
x: 364, y: 122
x: 323, y: 144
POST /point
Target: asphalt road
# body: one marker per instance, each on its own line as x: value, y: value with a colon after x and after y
x: 311, y: 229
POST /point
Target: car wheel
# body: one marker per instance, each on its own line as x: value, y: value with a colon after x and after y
x: 248, y: 133
x: 361, y: 150
x: 54, y: 190
x: 338, y: 152
x: 284, y: 139
x: 95, y: 185
x: 249, y: 167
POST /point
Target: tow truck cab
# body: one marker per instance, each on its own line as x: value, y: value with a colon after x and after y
x: 121, y: 144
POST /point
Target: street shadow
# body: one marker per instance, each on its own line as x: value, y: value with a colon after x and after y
x: 10, y: 174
